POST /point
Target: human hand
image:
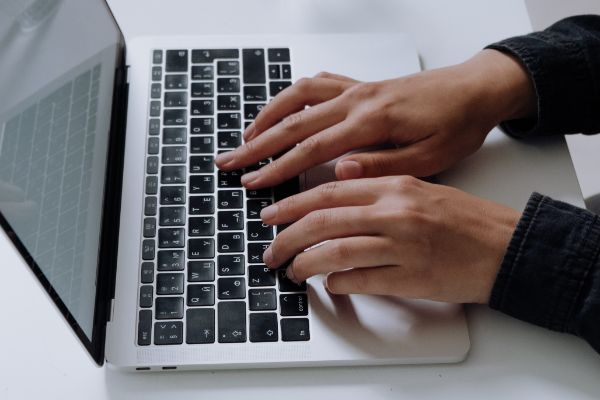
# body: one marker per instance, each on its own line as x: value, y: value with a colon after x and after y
x: 393, y: 236
x: 435, y: 118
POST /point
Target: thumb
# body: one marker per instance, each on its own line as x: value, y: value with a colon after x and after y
x: 401, y: 161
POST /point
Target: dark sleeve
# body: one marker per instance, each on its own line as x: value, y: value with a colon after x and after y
x: 550, y: 275
x: 564, y: 64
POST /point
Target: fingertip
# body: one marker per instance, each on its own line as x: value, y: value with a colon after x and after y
x: 348, y: 169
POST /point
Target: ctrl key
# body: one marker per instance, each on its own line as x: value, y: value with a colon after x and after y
x: 145, y: 327
x: 168, y: 332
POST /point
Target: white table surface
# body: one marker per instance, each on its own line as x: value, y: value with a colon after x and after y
x: 41, y: 358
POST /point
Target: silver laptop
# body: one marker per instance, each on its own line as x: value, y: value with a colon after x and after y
x: 109, y: 191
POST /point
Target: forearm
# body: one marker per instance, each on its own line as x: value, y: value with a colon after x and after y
x: 550, y: 275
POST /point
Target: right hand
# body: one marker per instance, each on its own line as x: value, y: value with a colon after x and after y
x: 434, y: 118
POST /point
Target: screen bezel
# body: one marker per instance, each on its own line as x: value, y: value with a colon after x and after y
x: 106, y: 269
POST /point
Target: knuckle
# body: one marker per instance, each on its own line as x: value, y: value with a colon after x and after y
x: 404, y: 184
x: 312, y: 146
x: 293, y: 121
x: 340, y: 254
x: 317, y: 220
x: 304, y: 84
x: 274, y: 170
x: 362, y: 91
x: 328, y: 190
x: 324, y: 74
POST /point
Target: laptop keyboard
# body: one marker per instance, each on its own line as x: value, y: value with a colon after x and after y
x: 202, y: 278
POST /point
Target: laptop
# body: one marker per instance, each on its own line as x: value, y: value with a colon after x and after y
x: 109, y: 191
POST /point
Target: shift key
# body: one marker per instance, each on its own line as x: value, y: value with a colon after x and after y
x: 232, y: 321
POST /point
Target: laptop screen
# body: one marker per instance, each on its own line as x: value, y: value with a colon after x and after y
x: 57, y: 73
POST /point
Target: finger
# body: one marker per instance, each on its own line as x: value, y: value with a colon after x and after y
x: 341, y: 254
x: 293, y: 129
x: 330, y: 75
x: 329, y: 195
x: 317, y: 227
x: 305, y: 92
x: 314, y: 150
x: 384, y: 280
x: 409, y: 160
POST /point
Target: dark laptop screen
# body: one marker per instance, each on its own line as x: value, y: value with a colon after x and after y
x: 57, y: 70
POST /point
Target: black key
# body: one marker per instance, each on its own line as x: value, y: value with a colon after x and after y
x: 255, y: 252
x: 150, y: 206
x: 152, y: 165
x: 257, y: 230
x: 208, y: 56
x: 228, y: 68
x: 203, y: 72
x: 151, y: 185
x: 174, y: 136
x: 286, y: 71
x: 156, y: 74
x: 202, y: 89
x: 155, y: 91
x: 279, y: 55
x: 202, y: 205
x: 157, y: 56
x: 169, y: 308
x: 232, y: 321
x: 171, y: 237
x: 228, y: 85
x: 174, y: 117
x: 230, y: 199
x: 252, y: 110
x: 153, y: 145
x: 154, y: 127
x: 147, y: 272
x: 254, y: 65
x: 145, y: 327
x: 200, y: 295
x: 230, y: 179
x: 172, y: 174
x: 258, y: 193
x: 263, y: 327
x: 202, y: 164
x: 175, y: 99
x: 171, y: 260
x: 255, y: 207
x: 202, y: 107
x: 148, y: 249
x: 231, y: 264
x: 255, y: 93
x: 202, y: 144
x: 174, y: 155
x: 258, y: 165
x: 177, y: 60
x: 201, y: 184
x: 200, y: 326
x: 201, y: 226
x: 176, y: 82
x: 227, y: 102
x: 201, y: 271
x: 230, y: 242
x: 262, y: 299
x: 169, y: 284
x: 294, y: 329
x: 166, y: 333
x: 146, y: 296
x: 230, y: 220
x: 293, y: 304
x: 202, y: 125
x: 229, y: 139
x: 172, y: 216
x: 274, y: 71
x: 276, y: 87
x: 286, y: 285
x: 172, y: 195
x: 155, y: 108
x: 260, y: 275
x: 149, y: 227
x: 231, y: 288
x: 201, y: 248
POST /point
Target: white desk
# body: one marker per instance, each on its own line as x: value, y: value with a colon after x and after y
x: 40, y: 358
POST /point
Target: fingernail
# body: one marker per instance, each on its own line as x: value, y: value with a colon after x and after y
x: 289, y: 273
x: 224, y: 158
x: 249, y: 131
x: 250, y: 177
x: 269, y: 212
x: 350, y: 169
x: 268, y: 256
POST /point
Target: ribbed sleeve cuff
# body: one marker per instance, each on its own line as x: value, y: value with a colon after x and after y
x: 543, y: 276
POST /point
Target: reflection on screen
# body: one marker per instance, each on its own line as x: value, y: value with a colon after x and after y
x: 54, y: 138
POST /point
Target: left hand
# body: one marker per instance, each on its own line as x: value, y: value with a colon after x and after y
x: 393, y: 236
